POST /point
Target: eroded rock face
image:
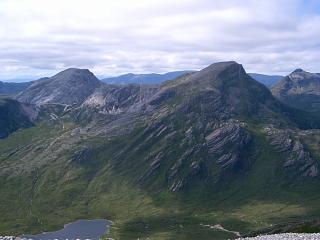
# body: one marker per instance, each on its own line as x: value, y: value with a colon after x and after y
x: 296, y: 155
x: 226, y: 143
x: 153, y: 166
x: 115, y: 99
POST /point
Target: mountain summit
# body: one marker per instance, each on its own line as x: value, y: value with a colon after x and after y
x: 67, y: 87
x: 299, y: 89
x: 228, y: 89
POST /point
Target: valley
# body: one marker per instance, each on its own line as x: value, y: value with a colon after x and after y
x: 164, y: 161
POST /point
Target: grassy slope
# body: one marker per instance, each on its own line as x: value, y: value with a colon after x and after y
x: 59, y: 192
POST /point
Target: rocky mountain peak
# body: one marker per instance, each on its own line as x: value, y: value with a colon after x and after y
x: 67, y: 87
x: 223, y: 65
x: 298, y: 70
x: 299, y: 89
x: 221, y: 90
x: 300, y: 74
x: 229, y: 69
x: 77, y: 75
x: 217, y: 75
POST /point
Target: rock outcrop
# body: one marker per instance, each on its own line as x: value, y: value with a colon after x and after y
x: 227, y: 143
x: 297, y: 157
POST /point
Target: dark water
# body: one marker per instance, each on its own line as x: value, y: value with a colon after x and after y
x: 81, y: 229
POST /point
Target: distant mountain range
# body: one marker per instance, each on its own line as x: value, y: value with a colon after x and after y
x: 268, y: 80
x: 152, y: 78
x: 12, y: 88
x: 162, y: 161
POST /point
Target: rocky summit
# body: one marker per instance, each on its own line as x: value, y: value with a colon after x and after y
x: 209, y: 148
x: 70, y: 86
x: 299, y: 89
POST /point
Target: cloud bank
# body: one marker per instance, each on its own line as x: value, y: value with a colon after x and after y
x: 41, y: 37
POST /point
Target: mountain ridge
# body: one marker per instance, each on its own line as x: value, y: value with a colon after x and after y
x: 209, y: 147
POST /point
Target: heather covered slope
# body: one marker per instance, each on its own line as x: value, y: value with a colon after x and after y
x: 212, y: 147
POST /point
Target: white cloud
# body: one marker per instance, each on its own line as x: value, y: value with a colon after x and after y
x: 40, y: 37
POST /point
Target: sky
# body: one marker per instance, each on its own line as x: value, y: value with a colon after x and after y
x: 40, y: 37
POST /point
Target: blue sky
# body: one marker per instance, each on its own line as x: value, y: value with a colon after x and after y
x: 41, y: 37
x: 314, y: 5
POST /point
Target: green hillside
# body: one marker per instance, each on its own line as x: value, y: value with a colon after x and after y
x: 209, y: 148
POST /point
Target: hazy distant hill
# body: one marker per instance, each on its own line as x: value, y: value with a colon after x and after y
x: 267, y: 80
x: 152, y: 78
x: 12, y: 88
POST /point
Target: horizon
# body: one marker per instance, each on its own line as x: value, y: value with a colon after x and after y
x: 40, y: 38
x: 28, y: 79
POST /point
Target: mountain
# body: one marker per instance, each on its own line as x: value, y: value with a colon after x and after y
x: 268, y: 80
x: 130, y: 78
x: 14, y: 115
x: 300, y: 89
x: 13, y: 88
x: 167, y: 161
x: 152, y: 78
x: 67, y: 87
